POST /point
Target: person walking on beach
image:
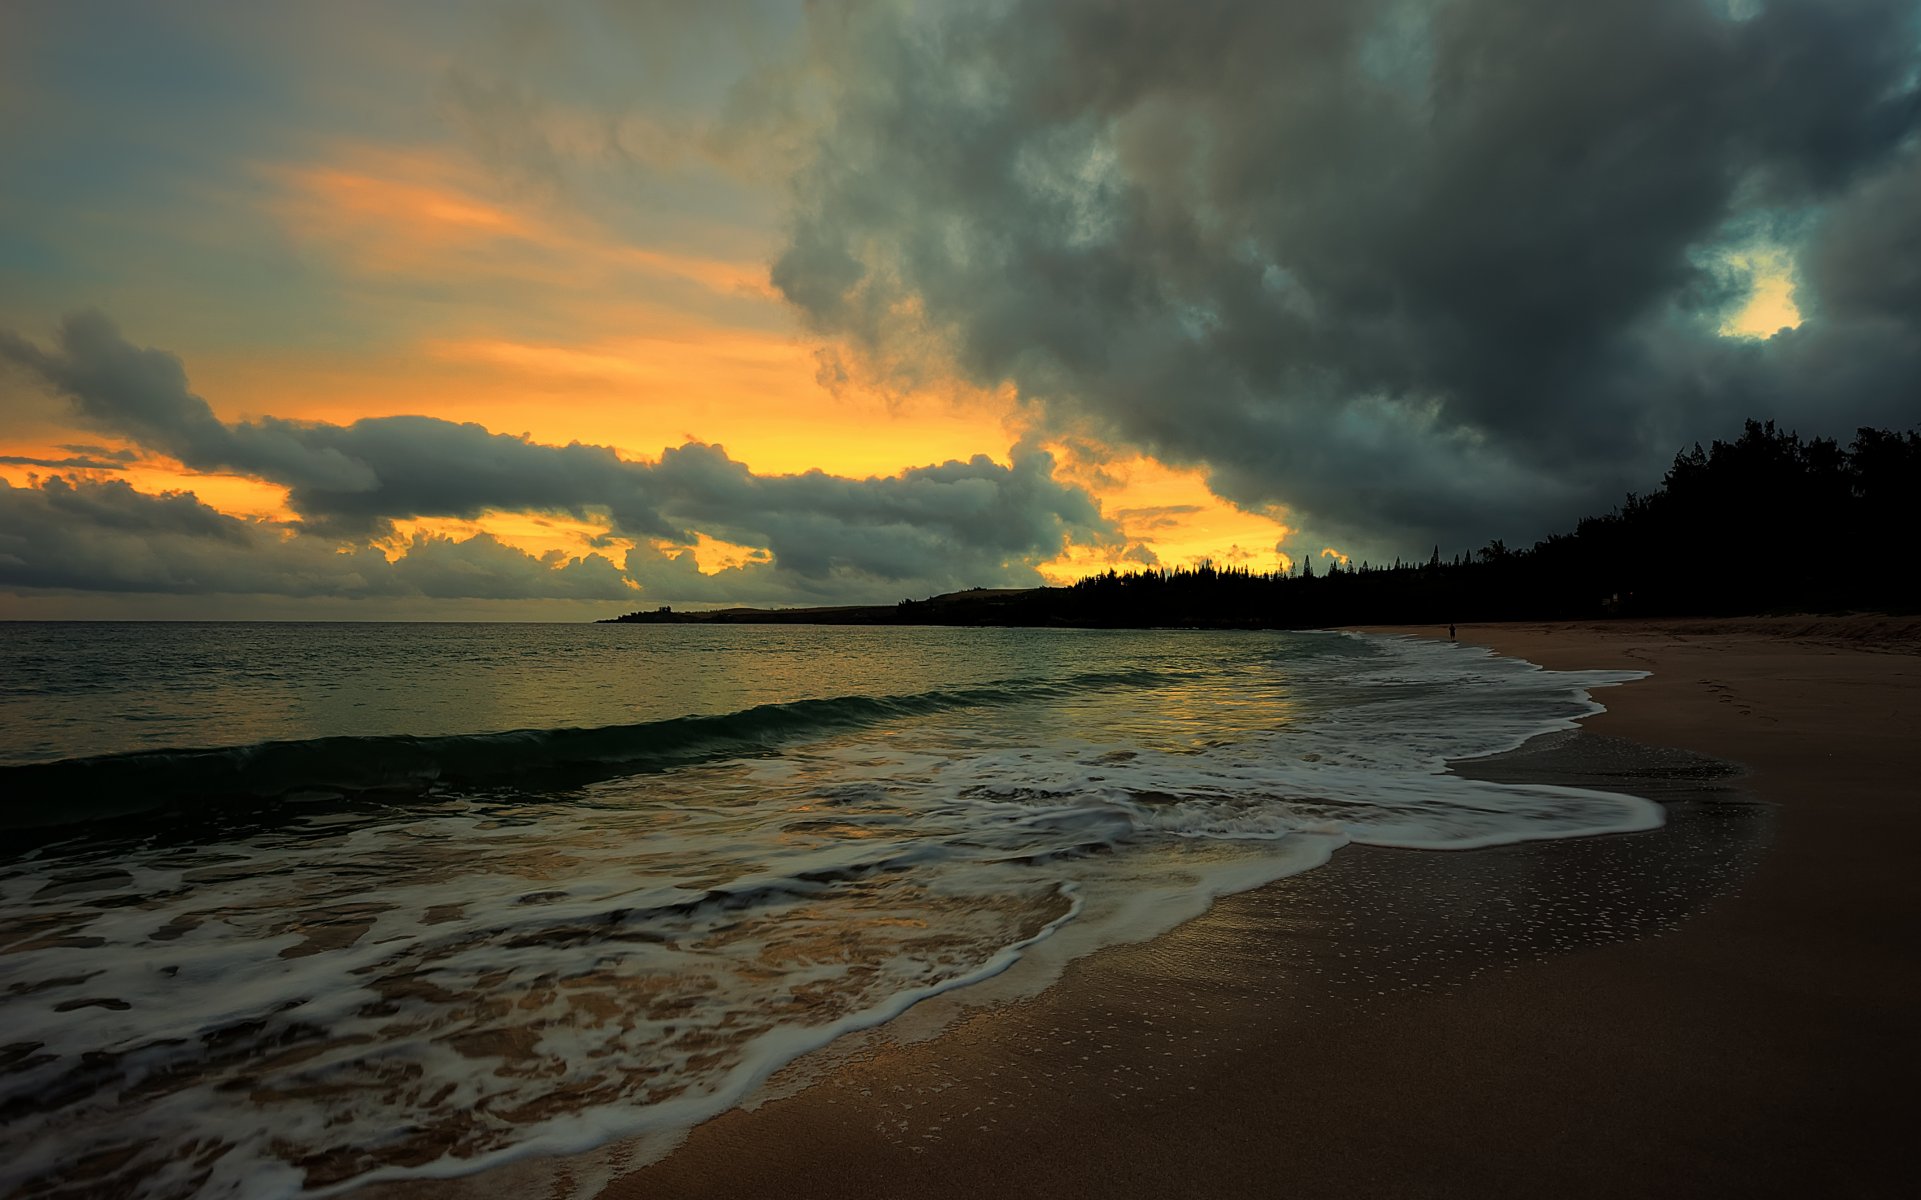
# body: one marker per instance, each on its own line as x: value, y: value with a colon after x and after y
x: 1450, y: 631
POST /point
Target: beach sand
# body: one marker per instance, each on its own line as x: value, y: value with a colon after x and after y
x: 1724, y: 1007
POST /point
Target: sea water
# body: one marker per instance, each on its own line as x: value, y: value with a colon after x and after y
x: 286, y: 908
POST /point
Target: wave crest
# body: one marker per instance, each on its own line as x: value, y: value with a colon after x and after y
x: 77, y: 790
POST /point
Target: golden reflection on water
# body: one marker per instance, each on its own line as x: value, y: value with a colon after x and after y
x: 506, y: 959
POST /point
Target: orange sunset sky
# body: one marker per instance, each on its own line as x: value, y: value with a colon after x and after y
x: 368, y: 243
x: 493, y: 310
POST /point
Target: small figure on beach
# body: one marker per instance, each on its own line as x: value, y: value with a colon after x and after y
x: 1450, y: 631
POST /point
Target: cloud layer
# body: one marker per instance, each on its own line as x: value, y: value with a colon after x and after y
x: 823, y: 537
x: 1388, y: 272
x: 1420, y: 271
x: 103, y: 536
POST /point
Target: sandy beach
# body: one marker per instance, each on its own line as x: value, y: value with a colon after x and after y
x: 1723, y: 1007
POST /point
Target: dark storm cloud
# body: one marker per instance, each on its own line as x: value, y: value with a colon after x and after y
x: 1865, y: 262
x: 76, y: 535
x: 825, y: 538
x: 1448, y: 270
x: 75, y: 463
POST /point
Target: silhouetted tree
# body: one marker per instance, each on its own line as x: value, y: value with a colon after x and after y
x: 1726, y: 532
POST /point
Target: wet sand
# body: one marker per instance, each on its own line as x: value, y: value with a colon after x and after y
x: 1724, y: 1007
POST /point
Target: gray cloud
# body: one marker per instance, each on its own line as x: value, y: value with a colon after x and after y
x: 826, y: 538
x: 350, y: 479
x: 77, y: 462
x: 481, y: 567
x: 77, y: 535
x: 936, y: 522
x: 88, y: 450
x: 1864, y: 262
x: 1423, y: 271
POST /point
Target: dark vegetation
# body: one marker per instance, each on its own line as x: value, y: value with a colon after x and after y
x: 1769, y: 522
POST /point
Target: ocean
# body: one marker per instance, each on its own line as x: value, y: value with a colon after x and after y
x: 287, y: 908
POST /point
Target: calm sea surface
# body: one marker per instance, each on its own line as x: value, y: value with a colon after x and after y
x: 288, y: 907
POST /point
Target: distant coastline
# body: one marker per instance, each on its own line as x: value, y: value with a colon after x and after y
x: 976, y: 606
x: 1769, y: 523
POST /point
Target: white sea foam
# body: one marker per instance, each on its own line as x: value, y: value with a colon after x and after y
x: 431, y: 990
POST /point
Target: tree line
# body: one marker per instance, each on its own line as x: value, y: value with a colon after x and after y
x: 1768, y: 522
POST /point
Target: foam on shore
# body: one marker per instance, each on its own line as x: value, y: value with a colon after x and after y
x: 480, y: 974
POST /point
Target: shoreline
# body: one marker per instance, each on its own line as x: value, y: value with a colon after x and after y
x: 1280, y: 1043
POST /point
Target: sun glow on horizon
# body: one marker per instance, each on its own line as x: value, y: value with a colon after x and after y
x: 347, y: 272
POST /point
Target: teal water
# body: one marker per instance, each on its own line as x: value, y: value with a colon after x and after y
x: 69, y: 689
x: 289, y: 907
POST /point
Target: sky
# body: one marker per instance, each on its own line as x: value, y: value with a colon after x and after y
x: 510, y: 311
